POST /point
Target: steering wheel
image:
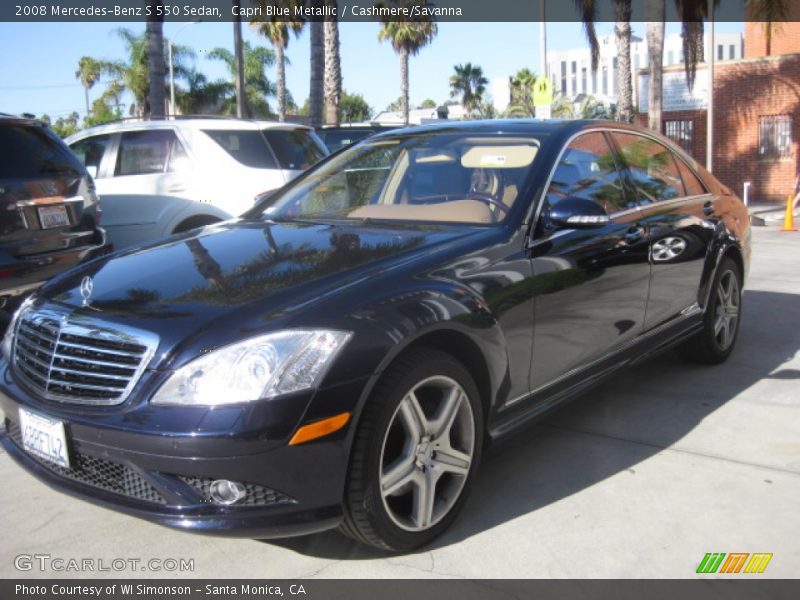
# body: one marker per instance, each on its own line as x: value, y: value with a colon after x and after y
x: 489, y: 200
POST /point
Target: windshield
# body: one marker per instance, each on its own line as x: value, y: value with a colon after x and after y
x: 457, y: 178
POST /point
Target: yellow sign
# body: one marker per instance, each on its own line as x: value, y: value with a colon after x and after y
x: 542, y: 92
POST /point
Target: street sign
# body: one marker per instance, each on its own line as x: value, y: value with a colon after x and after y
x: 542, y: 92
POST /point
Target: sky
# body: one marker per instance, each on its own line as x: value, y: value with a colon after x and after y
x: 38, y: 60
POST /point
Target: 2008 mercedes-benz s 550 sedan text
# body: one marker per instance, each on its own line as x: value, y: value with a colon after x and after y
x: 341, y: 354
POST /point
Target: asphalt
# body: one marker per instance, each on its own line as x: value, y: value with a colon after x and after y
x: 640, y: 478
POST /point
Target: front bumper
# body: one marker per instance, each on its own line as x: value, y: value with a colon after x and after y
x: 291, y: 490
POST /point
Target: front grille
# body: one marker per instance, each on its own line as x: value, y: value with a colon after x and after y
x: 97, y: 472
x: 256, y: 495
x: 79, y: 360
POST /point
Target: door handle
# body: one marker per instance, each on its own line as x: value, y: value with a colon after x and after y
x: 634, y: 234
x: 708, y: 208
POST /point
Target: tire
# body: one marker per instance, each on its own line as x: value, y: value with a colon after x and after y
x: 387, y: 450
x: 715, y: 342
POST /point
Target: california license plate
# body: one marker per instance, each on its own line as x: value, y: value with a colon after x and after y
x: 44, y: 437
x: 53, y: 216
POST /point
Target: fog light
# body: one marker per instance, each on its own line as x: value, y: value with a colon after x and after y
x: 226, y: 492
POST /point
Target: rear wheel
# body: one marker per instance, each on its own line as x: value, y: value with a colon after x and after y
x: 416, y: 451
x: 715, y: 342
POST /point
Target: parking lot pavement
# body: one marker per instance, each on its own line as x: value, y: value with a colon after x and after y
x: 640, y: 478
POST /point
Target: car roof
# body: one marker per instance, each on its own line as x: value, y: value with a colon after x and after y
x: 186, y: 123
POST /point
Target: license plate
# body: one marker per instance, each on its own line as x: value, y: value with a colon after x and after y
x: 44, y: 437
x: 53, y: 216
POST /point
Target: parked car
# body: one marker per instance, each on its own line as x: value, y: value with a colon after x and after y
x: 161, y: 177
x: 49, y: 214
x: 336, y: 138
x: 342, y: 354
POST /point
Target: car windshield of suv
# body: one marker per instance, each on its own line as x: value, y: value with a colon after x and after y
x: 456, y: 178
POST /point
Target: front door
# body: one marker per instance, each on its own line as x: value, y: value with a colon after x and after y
x: 591, y: 284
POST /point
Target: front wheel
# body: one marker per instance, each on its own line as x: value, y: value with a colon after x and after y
x: 715, y: 342
x: 415, y: 453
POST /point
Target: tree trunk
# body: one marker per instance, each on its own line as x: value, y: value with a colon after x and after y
x: 280, y: 57
x: 316, y: 91
x: 404, y: 84
x: 155, y: 61
x: 655, y: 58
x: 333, y: 74
x: 241, y: 104
x: 86, y: 94
x: 622, y: 30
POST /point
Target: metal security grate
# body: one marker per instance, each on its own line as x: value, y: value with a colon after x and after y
x: 256, y: 495
x: 97, y: 472
x: 79, y: 360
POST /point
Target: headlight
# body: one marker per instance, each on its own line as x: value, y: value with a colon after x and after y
x: 8, y: 338
x: 261, y: 367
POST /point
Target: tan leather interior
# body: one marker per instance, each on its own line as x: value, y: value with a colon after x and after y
x: 457, y: 211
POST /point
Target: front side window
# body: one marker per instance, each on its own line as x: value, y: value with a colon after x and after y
x: 90, y: 150
x: 774, y: 136
x: 457, y: 178
x: 651, y: 167
x: 587, y: 170
x: 145, y: 152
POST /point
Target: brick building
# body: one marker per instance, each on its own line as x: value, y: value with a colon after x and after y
x: 756, y: 112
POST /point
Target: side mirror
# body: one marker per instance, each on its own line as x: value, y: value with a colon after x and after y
x: 574, y: 212
x: 92, y: 171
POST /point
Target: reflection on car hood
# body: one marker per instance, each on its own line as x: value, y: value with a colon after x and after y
x: 263, y: 268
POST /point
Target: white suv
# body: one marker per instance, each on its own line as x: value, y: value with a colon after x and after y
x: 161, y: 177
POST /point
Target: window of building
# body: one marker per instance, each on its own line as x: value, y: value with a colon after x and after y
x: 681, y: 132
x: 584, y: 87
x: 731, y: 52
x: 588, y: 170
x: 564, y: 77
x: 774, y: 136
x: 605, y: 80
x: 651, y: 167
x: 720, y: 52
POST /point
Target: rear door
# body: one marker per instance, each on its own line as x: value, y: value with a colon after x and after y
x: 147, y: 183
x: 591, y: 284
x: 677, y: 212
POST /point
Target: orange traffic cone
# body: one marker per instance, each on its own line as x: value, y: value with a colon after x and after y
x: 788, y: 221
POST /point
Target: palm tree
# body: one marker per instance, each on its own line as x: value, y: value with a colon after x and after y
x: 469, y: 83
x: 333, y: 69
x: 155, y: 59
x: 200, y: 95
x: 622, y: 31
x: 407, y: 37
x: 316, y: 96
x: 88, y: 72
x: 238, y: 64
x: 656, y: 13
x: 278, y: 32
x: 521, y: 88
x: 257, y: 87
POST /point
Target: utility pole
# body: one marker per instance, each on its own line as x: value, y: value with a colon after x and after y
x: 710, y: 112
x: 543, y: 42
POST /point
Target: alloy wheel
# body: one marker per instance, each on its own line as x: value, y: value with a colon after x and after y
x: 726, y: 317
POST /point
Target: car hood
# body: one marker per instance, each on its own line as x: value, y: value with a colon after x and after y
x: 262, y: 270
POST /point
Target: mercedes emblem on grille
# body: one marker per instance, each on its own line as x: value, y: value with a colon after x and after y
x: 87, y: 286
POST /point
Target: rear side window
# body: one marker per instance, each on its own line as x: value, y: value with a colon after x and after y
x: 296, y: 149
x: 246, y: 147
x: 652, y: 168
x: 146, y: 152
x: 693, y: 185
x: 90, y: 151
x: 587, y: 170
x: 28, y: 151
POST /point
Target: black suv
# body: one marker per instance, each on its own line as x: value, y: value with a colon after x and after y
x: 49, y: 211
